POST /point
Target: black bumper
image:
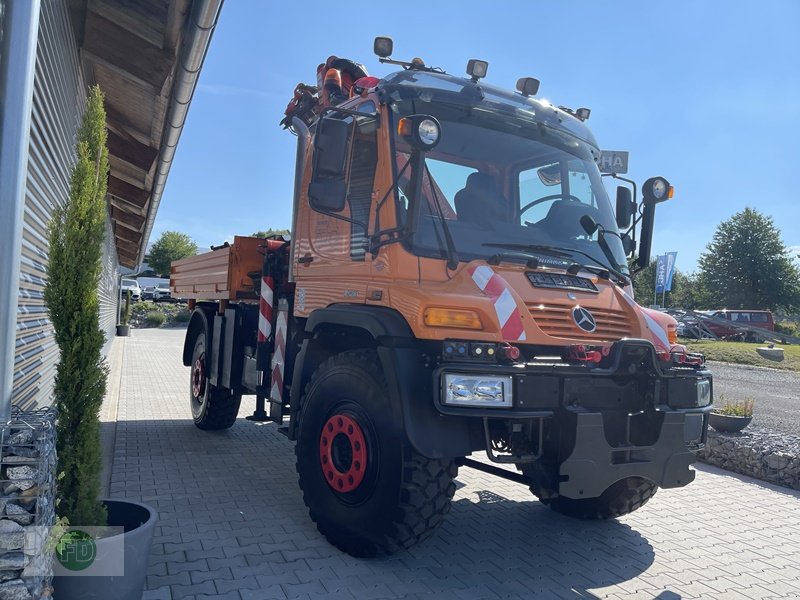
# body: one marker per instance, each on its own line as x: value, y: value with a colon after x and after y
x: 631, y: 416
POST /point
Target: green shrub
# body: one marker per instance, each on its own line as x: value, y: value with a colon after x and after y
x: 736, y: 409
x: 75, y: 236
x: 155, y: 318
x: 182, y: 316
x: 788, y: 327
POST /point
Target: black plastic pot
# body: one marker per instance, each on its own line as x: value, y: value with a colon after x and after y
x: 728, y: 423
x: 139, y: 522
x: 123, y: 330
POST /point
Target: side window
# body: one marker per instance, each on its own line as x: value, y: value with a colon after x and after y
x: 363, y: 161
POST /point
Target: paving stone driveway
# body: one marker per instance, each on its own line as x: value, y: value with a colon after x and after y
x: 233, y: 525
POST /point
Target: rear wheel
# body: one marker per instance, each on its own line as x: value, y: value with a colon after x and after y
x: 621, y: 498
x: 369, y: 492
x: 212, y: 408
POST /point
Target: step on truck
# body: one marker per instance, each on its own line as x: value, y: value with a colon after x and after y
x: 456, y: 283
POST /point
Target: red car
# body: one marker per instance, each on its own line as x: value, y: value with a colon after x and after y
x: 751, y: 318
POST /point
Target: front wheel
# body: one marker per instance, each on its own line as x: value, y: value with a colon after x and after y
x: 369, y: 492
x: 213, y: 408
x: 621, y: 498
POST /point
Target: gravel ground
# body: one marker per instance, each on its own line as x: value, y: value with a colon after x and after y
x: 777, y: 394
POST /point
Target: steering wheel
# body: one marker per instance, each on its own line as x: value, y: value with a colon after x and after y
x: 530, y: 205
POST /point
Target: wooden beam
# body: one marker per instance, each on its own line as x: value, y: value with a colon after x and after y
x: 130, y: 193
x: 126, y: 206
x: 129, y: 247
x: 131, y: 151
x: 126, y: 52
x: 129, y: 220
x: 145, y: 18
x: 126, y: 234
x: 127, y: 260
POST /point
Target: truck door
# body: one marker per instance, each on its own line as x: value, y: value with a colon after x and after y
x: 332, y: 260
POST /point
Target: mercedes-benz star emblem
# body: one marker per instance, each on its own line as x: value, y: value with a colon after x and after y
x: 584, y: 319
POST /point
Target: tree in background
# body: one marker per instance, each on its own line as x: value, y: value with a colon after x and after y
x: 687, y: 291
x: 747, y: 265
x: 269, y: 232
x: 171, y: 246
x: 76, y: 234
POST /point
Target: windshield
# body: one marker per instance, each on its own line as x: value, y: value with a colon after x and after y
x: 497, y: 180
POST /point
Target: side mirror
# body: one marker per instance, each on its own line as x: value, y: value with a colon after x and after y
x: 328, y: 189
x: 628, y: 245
x: 625, y: 207
x: 646, y: 239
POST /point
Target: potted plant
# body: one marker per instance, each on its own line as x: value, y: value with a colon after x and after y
x: 123, y: 329
x: 731, y: 416
x: 76, y: 235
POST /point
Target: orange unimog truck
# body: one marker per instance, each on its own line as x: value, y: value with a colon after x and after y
x: 456, y: 282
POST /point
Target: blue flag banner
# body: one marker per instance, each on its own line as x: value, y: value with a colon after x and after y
x: 665, y: 269
x: 671, y: 257
x: 661, y: 273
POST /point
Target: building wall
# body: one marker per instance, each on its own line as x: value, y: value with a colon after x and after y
x: 58, y: 99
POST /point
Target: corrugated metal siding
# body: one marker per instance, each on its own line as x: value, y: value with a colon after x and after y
x: 109, y: 281
x: 58, y: 100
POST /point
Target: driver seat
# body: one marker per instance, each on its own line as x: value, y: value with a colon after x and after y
x: 480, y: 200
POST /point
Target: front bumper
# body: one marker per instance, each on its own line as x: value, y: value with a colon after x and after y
x: 630, y: 417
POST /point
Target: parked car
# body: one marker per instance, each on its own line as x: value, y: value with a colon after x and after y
x: 162, y: 293
x: 133, y: 286
x: 147, y: 292
x: 761, y: 319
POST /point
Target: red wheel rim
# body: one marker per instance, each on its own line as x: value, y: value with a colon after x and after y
x: 198, y: 378
x: 342, y: 453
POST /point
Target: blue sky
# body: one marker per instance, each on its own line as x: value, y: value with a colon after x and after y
x: 703, y: 93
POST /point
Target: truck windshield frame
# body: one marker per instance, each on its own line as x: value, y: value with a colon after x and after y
x: 499, y: 177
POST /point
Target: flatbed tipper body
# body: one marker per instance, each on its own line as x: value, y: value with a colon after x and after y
x: 226, y: 273
x: 456, y: 281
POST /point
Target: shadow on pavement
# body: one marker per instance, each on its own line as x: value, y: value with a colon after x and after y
x: 240, y: 487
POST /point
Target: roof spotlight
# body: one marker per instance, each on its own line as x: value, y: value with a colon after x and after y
x: 583, y: 113
x: 477, y: 69
x: 527, y: 86
x: 383, y: 46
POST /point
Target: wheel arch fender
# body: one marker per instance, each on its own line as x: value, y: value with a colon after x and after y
x: 401, y: 357
x: 198, y: 324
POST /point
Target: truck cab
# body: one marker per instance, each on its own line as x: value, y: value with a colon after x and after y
x: 456, y: 282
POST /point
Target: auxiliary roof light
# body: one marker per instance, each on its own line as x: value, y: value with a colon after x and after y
x: 383, y: 46
x: 477, y: 69
x: 527, y: 86
x: 583, y: 113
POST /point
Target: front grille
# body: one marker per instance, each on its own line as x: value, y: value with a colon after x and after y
x: 556, y: 321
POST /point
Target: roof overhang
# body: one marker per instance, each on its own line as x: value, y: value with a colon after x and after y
x: 146, y: 57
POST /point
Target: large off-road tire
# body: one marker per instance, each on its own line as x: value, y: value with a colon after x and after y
x: 212, y: 408
x: 369, y: 492
x: 621, y: 498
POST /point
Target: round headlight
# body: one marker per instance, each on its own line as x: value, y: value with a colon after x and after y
x: 659, y: 188
x: 428, y: 132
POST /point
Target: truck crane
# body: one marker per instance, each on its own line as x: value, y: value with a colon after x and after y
x: 456, y: 282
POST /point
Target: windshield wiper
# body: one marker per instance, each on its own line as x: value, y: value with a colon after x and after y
x: 560, y: 252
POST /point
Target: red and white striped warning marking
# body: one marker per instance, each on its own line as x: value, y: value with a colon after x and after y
x: 276, y: 391
x: 265, y: 309
x: 505, y: 307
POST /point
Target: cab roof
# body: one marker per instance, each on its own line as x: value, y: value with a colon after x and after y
x: 432, y: 86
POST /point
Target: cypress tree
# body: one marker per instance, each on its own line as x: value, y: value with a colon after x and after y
x: 76, y: 235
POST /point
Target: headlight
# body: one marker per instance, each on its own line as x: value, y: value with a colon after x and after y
x: 428, y: 132
x: 703, y: 392
x: 478, y: 390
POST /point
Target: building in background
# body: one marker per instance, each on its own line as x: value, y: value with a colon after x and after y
x: 146, y: 56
